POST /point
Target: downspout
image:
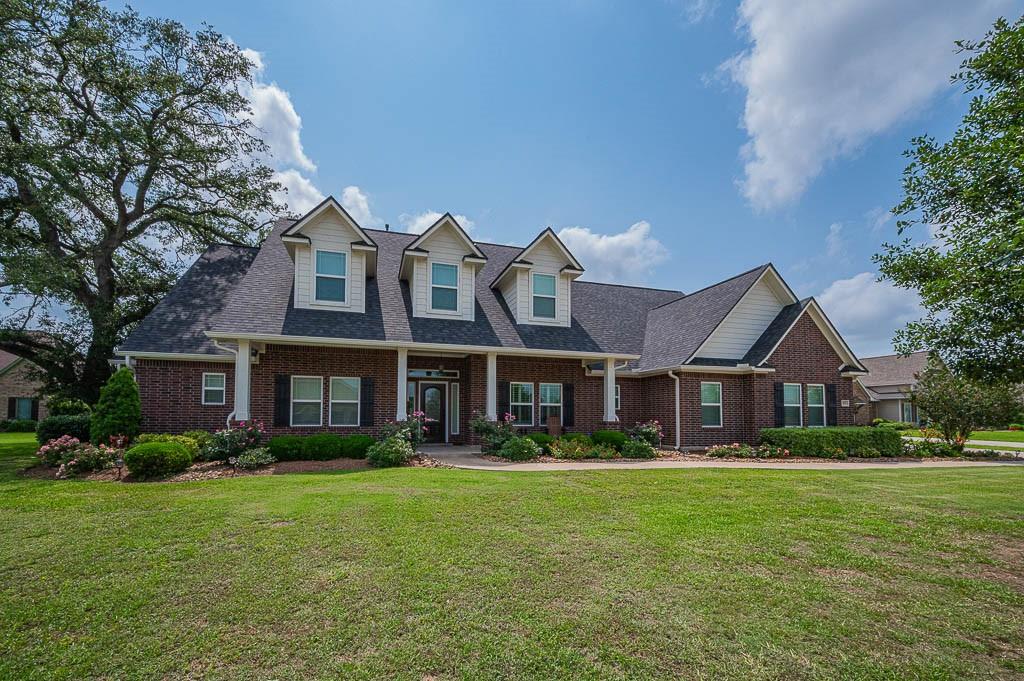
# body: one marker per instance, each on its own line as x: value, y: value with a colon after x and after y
x: 233, y: 351
x: 676, y: 379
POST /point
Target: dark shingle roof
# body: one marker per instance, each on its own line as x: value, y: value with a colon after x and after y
x: 178, y: 322
x: 893, y: 369
x: 773, y: 334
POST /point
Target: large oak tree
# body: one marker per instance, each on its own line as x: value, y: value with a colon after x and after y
x: 126, y: 147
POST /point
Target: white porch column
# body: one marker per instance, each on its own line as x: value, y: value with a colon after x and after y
x: 609, y: 390
x: 492, y: 386
x: 242, y: 381
x: 403, y: 384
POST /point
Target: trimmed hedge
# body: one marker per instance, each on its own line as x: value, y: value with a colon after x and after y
x: 610, y: 438
x: 543, y: 440
x: 582, y: 438
x: 157, y: 459
x: 322, y: 447
x: 286, y: 447
x: 185, y: 441
x: 319, y: 447
x: 52, y: 427
x: 18, y: 426
x: 852, y: 440
x: 356, y: 445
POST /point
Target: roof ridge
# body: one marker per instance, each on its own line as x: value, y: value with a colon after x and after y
x: 711, y: 286
x: 635, y: 286
x: 896, y: 354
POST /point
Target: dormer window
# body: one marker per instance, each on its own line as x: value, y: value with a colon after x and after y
x: 544, y: 296
x: 444, y: 287
x: 331, y: 276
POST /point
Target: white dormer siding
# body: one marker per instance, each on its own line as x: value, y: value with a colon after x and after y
x: 547, y: 260
x: 444, y: 247
x: 746, y: 322
x: 329, y: 232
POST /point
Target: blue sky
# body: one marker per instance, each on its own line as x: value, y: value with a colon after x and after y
x: 689, y: 141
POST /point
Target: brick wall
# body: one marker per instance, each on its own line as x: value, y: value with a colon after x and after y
x: 172, y: 396
x: 18, y: 382
x: 866, y: 414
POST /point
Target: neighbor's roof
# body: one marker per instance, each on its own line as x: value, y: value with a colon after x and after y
x: 7, y: 359
x: 893, y: 369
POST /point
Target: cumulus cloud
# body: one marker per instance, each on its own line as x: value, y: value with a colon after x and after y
x: 419, y: 223
x: 357, y: 203
x: 834, y: 241
x: 301, y: 195
x: 625, y: 258
x: 867, y: 312
x: 695, y: 11
x: 821, y: 78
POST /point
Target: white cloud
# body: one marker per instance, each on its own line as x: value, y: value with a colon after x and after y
x: 302, y: 195
x: 695, y: 11
x: 625, y: 258
x: 821, y: 78
x: 357, y: 203
x: 878, y: 218
x: 834, y: 242
x: 419, y: 223
x: 867, y: 311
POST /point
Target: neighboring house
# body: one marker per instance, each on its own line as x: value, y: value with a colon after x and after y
x: 19, y: 391
x: 328, y: 326
x: 885, y: 391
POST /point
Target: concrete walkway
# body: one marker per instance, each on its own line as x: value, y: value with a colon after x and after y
x: 468, y: 457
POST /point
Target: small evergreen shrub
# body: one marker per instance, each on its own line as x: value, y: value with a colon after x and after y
x: 18, y: 426
x: 52, y: 427
x: 286, y: 447
x: 156, y: 459
x: 254, y: 458
x: 577, y: 437
x: 322, y: 447
x: 519, y: 449
x: 355, y: 446
x: 543, y: 441
x: 119, y: 409
x: 925, y: 449
x: 188, y: 443
x: 201, y: 437
x: 392, y: 451
x: 67, y: 406
x: 636, y: 448
x: 611, y: 438
x: 851, y: 440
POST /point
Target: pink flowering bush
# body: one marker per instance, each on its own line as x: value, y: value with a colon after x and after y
x: 231, y: 442
x: 493, y: 434
x: 87, y: 458
x: 744, y: 451
x: 648, y: 431
x: 413, y: 429
x: 53, y: 452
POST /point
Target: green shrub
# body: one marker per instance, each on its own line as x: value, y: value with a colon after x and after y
x: 392, y: 451
x: 577, y: 437
x: 611, y: 438
x: 156, y: 459
x: 18, y: 426
x: 119, y: 409
x: 930, y: 448
x: 637, y: 448
x: 356, y: 445
x: 53, y: 452
x: 229, y: 443
x: 67, y: 406
x: 648, y: 431
x: 254, y: 458
x: 570, y: 448
x: 286, y: 447
x: 851, y: 440
x: 201, y: 437
x: 519, y: 449
x: 745, y: 451
x: 188, y: 443
x: 602, y: 452
x: 543, y: 440
x: 493, y: 434
x: 87, y: 458
x: 322, y: 447
x: 53, y: 427
x: 1016, y: 426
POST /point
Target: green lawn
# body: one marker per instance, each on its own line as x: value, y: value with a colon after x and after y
x: 410, y: 573
x: 999, y: 435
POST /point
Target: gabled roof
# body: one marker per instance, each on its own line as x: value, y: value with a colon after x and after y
x: 8, y: 360
x: 327, y: 204
x: 893, y: 369
x: 521, y: 257
x: 786, y: 319
x: 447, y: 218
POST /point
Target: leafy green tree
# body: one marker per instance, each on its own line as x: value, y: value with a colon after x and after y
x: 119, y: 410
x: 126, y: 146
x: 969, y: 191
x: 956, y: 405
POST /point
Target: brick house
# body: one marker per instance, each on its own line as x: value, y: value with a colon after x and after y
x: 19, y: 390
x: 328, y: 326
x: 886, y: 391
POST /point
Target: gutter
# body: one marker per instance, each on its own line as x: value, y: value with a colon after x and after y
x: 675, y: 378
x: 233, y: 351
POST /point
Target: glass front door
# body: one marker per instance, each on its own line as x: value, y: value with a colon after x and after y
x: 432, y: 403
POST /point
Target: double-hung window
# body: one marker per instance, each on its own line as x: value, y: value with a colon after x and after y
x: 544, y: 296
x: 307, y: 400
x: 618, y: 397
x: 815, y: 405
x: 711, y: 405
x: 792, y: 405
x: 344, y: 402
x: 331, y: 276
x: 23, y: 407
x: 521, y: 403
x: 444, y: 287
x: 550, y: 402
x: 213, y: 389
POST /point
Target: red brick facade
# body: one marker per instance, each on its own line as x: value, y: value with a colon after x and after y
x: 171, y: 391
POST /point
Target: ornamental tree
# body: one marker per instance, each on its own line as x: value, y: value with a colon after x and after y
x: 119, y: 410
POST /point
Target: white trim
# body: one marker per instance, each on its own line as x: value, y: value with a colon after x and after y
x: 492, y: 386
x: 618, y: 396
x: 448, y: 217
x: 833, y: 337
x: 541, y: 403
x: 331, y: 401
x: 329, y: 202
x: 533, y: 317
x: 512, y: 404
x: 292, y: 400
x: 549, y: 233
x: 719, y: 404
x: 453, y: 418
x: 823, y: 405
x: 223, y: 389
x: 178, y: 356
x: 457, y: 287
x: 800, y: 392
x: 346, y: 293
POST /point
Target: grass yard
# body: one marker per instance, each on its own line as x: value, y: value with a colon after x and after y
x: 416, y: 573
x: 999, y: 435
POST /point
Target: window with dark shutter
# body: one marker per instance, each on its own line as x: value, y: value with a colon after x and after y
x: 780, y: 401
x: 568, y: 405
x: 831, y: 404
x: 503, y: 397
x: 366, y: 401
x: 12, y: 407
x: 35, y: 409
x: 282, y: 400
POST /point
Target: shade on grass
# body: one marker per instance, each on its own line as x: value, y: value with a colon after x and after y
x: 406, y: 573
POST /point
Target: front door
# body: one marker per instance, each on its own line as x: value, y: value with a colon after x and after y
x: 432, y: 403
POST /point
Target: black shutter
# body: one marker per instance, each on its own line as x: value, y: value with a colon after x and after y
x: 568, y: 405
x: 12, y: 407
x: 832, y: 414
x: 282, y: 400
x: 35, y: 408
x: 366, y: 401
x: 780, y: 412
x: 503, y: 398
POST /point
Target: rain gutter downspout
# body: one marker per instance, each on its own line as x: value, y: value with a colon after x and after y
x: 233, y: 351
x: 676, y: 379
